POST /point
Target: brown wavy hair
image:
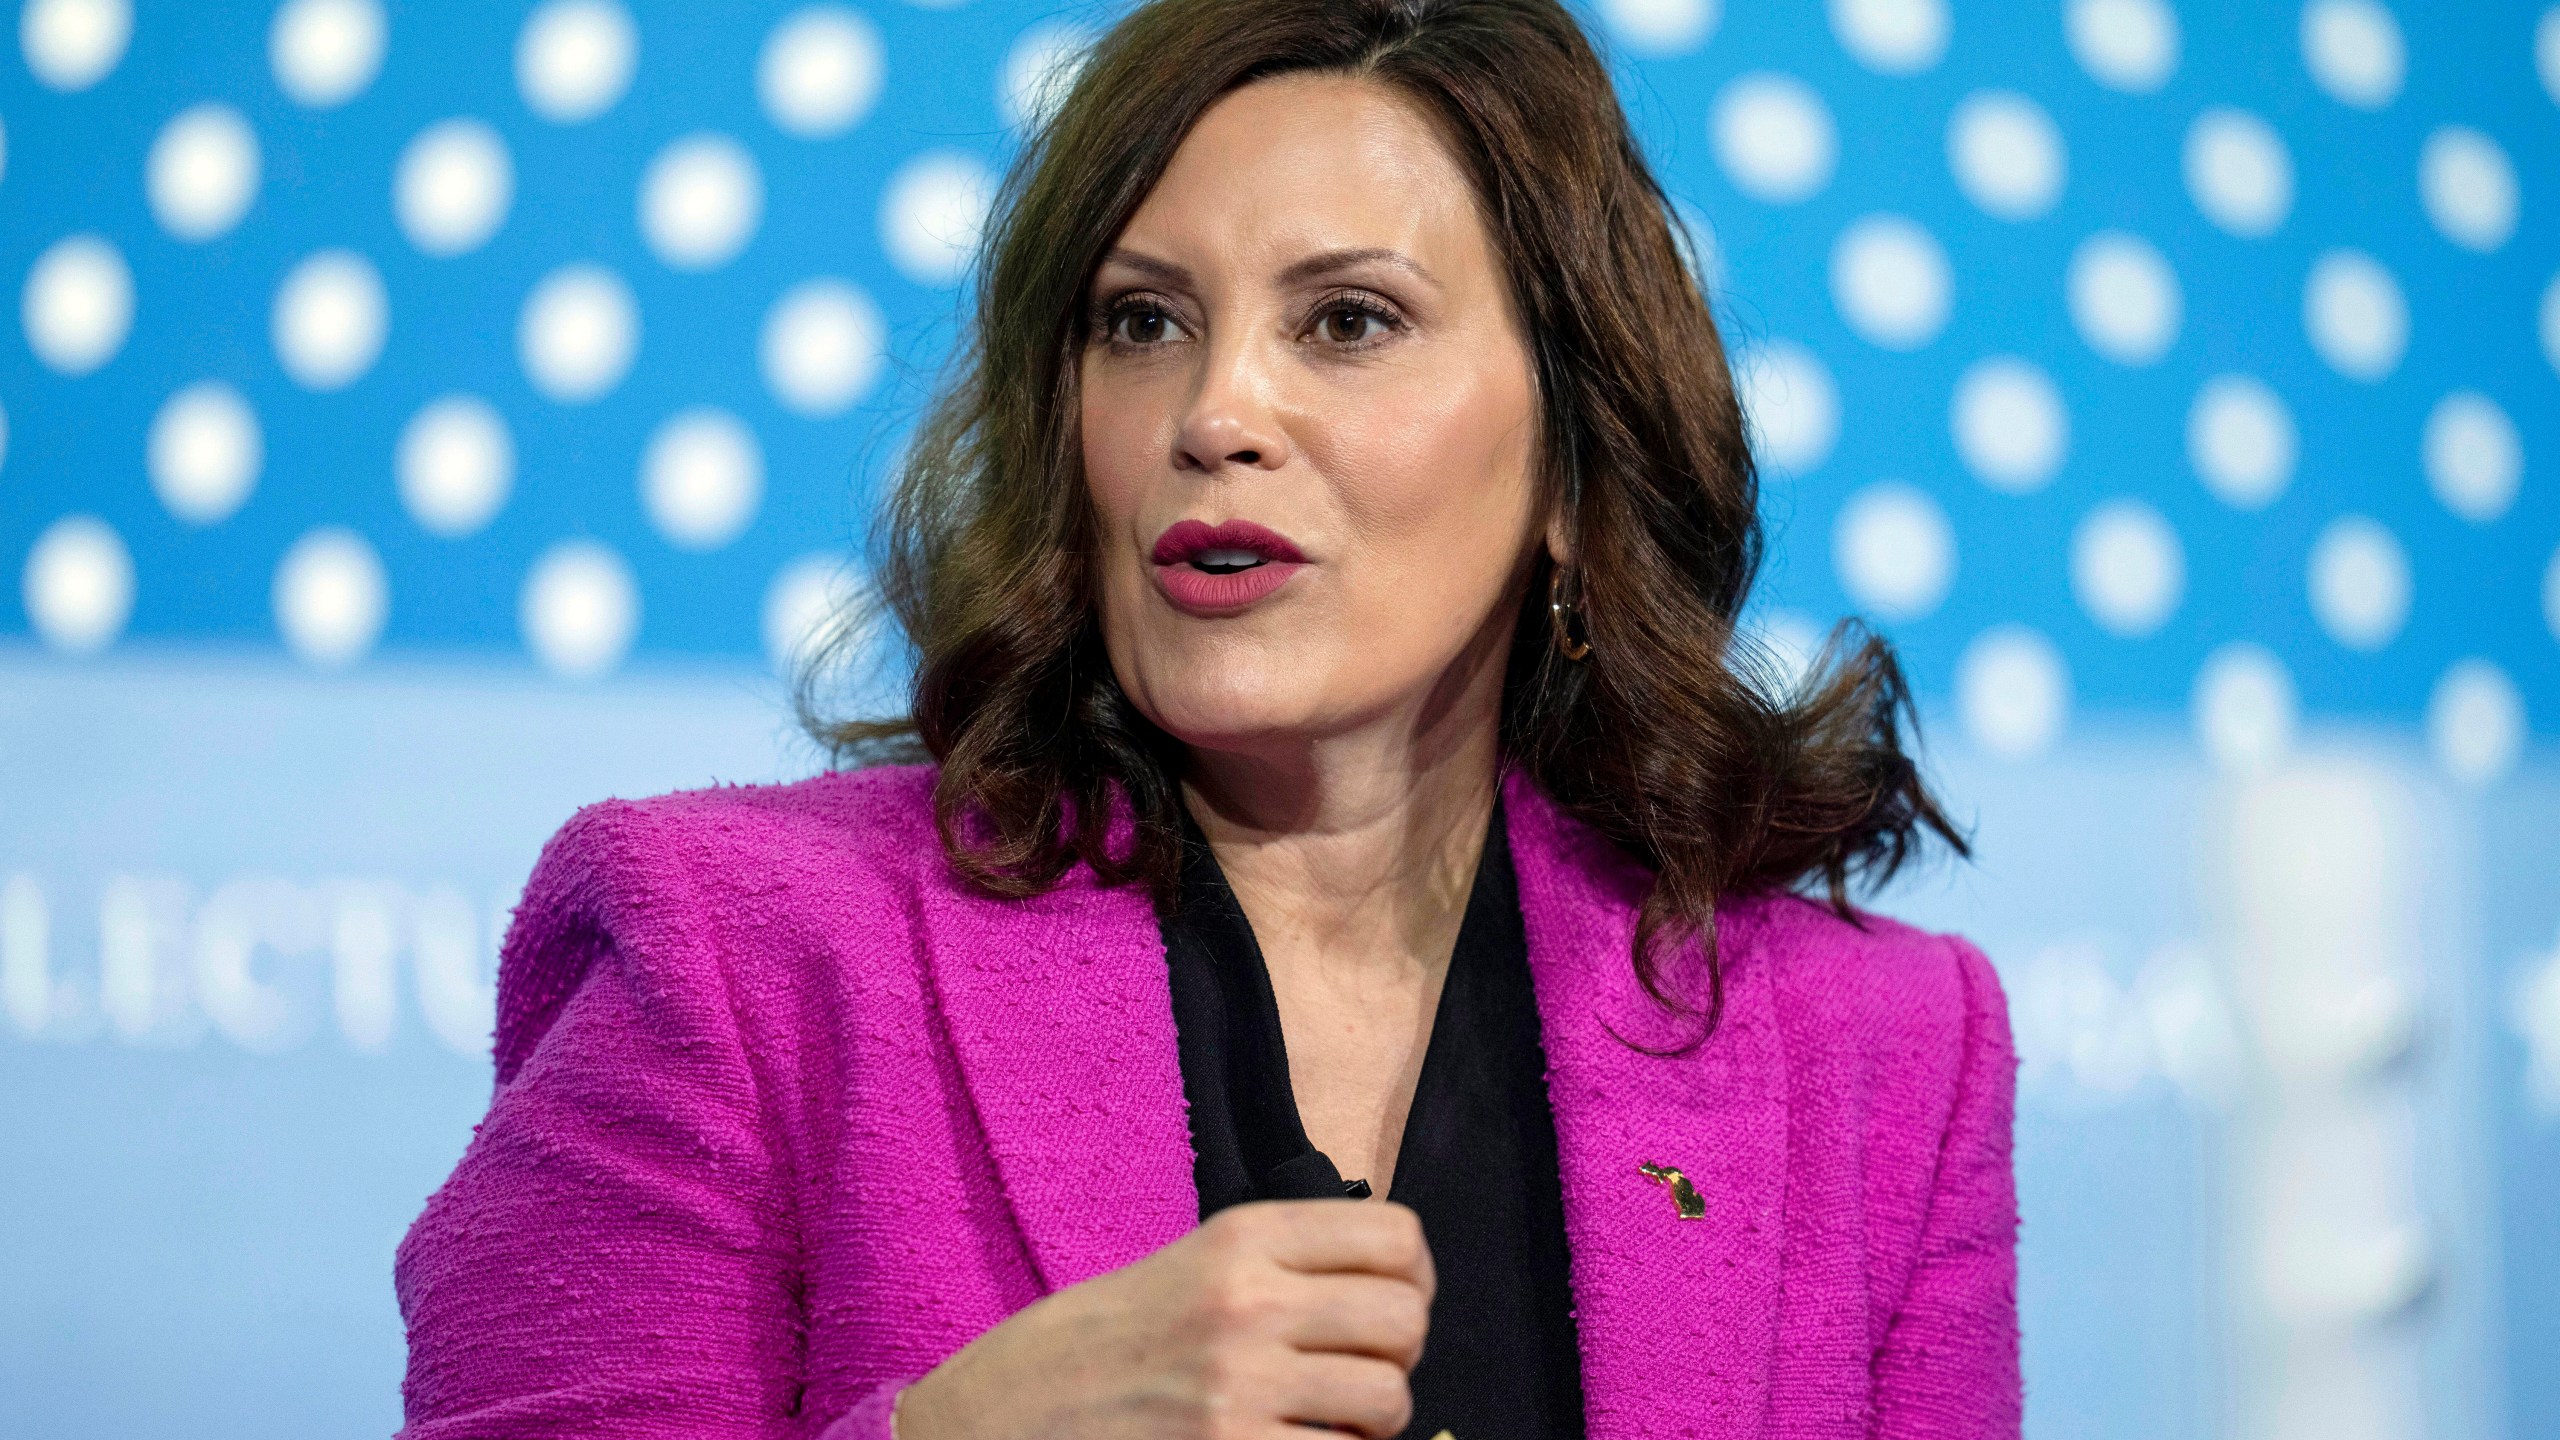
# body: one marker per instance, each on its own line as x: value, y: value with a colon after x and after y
x: 1676, y: 737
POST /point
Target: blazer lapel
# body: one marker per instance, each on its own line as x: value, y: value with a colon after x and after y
x: 1061, y: 1014
x: 1678, y: 1319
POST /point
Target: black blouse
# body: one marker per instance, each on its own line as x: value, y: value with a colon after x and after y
x: 1477, y: 1161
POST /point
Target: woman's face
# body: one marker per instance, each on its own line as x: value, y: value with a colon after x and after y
x: 1309, y: 427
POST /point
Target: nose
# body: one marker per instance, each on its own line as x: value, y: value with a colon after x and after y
x: 1230, y: 421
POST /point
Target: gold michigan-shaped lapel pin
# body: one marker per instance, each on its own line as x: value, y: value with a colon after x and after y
x: 1684, y: 1196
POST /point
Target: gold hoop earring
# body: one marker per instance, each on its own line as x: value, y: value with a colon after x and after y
x: 1560, y: 616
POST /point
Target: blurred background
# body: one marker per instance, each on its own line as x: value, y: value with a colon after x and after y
x: 418, y: 420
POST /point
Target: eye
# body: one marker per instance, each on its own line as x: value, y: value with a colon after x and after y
x: 1138, y: 321
x: 1354, y: 323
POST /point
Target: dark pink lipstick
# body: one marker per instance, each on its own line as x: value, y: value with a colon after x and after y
x: 1220, y: 569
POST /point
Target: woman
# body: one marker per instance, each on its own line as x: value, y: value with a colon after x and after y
x: 1345, y: 779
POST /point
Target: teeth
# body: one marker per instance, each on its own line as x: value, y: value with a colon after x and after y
x: 1226, y: 559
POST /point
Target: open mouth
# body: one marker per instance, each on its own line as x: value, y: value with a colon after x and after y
x: 1225, y: 562
x: 1220, y: 569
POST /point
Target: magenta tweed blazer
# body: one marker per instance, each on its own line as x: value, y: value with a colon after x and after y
x: 785, y: 1115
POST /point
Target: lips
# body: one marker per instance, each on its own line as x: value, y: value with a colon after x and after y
x: 1221, y: 569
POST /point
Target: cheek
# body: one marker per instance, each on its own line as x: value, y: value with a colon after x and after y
x: 1440, y: 483
x: 1122, y: 440
x: 1124, y: 436
x: 1120, y: 437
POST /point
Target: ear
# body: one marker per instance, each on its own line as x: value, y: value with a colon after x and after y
x: 1559, y: 540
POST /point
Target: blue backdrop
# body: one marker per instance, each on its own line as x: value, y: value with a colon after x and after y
x: 422, y: 419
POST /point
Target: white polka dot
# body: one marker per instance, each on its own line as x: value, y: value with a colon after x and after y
x: 805, y: 606
x: 2551, y: 323
x: 1700, y: 250
x: 819, y: 72
x: 74, y: 44
x: 2007, y: 154
x: 325, y: 52
x: 1774, y: 138
x: 2239, y: 172
x: 453, y: 188
x: 2353, y: 49
x: 575, y: 58
x: 2124, y: 298
x: 2546, y: 52
x: 1894, y: 551
x: 2469, y: 187
x: 1662, y: 28
x: 1891, y: 282
x: 204, y: 453
x: 2474, y: 456
x: 2013, y: 692
x: 578, y: 333
x: 930, y: 215
x: 202, y: 172
x: 2241, y: 440
x: 2475, y: 723
x: 2353, y: 312
x: 2127, y: 568
x: 456, y: 463
x: 1040, y: 70
x: 78, y: 586
x: 78, y: 305
x: 1792, y: 405
x: 701, y: 478
x: 1892, y: 37
x: 2127, y: 45
x: 700, y: 202
x: 2244, y: 708
x: 331, y: 597
x: 2551, y: 595
x: 1782, y: 646
x: 2359, y: 583
x: 580, y: 610
x: 822, y: 346
x: 2010, y: 425
x: 331, y: 316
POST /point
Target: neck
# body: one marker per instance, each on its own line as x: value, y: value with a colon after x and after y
x: 1357, y: 849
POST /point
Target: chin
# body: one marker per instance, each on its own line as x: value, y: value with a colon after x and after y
x: 1206, y: 715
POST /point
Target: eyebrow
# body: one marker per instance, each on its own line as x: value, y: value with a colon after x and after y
x: 1323, y: 262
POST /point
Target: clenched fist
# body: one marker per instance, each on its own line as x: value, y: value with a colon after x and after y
x: 1268, y: 1318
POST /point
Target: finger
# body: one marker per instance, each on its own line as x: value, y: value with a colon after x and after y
x: 1430, y: 1276
x: 1331, y: 1236
x: 1426, y: 1272
x: 1358, y: 1393
x: 1357, y: 1314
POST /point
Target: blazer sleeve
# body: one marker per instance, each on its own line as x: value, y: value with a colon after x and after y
x: 1949, y: 1362
x: 616, y: 1253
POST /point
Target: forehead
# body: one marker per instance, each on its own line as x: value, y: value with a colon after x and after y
x: 1312, y: 161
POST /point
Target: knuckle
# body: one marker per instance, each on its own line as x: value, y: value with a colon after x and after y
x: 1232, y: 1302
